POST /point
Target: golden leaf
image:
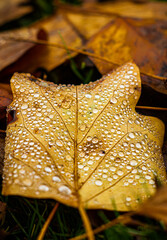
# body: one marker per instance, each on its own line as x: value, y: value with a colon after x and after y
x: 83, y: 145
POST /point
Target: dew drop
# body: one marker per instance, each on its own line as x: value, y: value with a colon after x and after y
x: 133, y: 162
x: 22, y: 89
x: 43, y: 188
x: 120, y: 173
x: 141, y: 180
x: 97, y: 96
x: 24, y: 156
x: 134, y: 171
x: 89, y: 139
x: 124, y: 103
x: 125, y: 144
x: 22, y: 171
x: 86, y: 168
x: 56, y: 179
x: 82, y: 154
x: 148, y: 177
x: 68, y: 158
x: 130, y: 180
x: 48, y: 169
x: 27, y: 182
x: 151, y: 182
x: 90, y: 162
x: 82, y: 127
x: 98, y: 182
x: 64, y: 190
x: 116, y: 116
x: 113, y: 100
x: 59, y: 143
x: 95, y: 110
x: 138, y: 145
x: 102, y: 153
x: 113, y: 169
x: 39, y: 114
x: 121, y: 154
x: 47, y: 119
x: 95, y: 140
x: 131, y: 90
x: 128, y: 199
x: 131, y: 135
x: 88, y: 96
x: 24, y: 106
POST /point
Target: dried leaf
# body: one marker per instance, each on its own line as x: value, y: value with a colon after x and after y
x: 5, y: 100
x: 83, y: 145
x: 152, y: 30
x: 159, y: 85
x: 10, y: 9
x: 47, y: 57
x: 87, y: 24
x: 156, y: 206
x: 2, y: 150
x: 155, y: 10
x: 5, y: 95
x: 11, y: 50
x: 121, y: 42
x: 89, y: 18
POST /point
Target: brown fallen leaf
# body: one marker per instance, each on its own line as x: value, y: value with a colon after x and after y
x: 45, y: 56
x: 87, y: 24
x: 5, y: 100
x: 89, y: 18
x: 153, y: 30
x: 84, y: 146
x: 120, y: 42
x: 155, y: 10
x: 2, y: 150
x: 158, y: 84
x: 5, y: 95
x: 59, y: 31
x: 11, y: 50
x: 12, y: 9
x: 156, y: 206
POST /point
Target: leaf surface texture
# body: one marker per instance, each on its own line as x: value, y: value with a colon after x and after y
x: 83, y: 144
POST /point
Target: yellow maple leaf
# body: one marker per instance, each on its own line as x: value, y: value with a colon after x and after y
x: 83, y: 145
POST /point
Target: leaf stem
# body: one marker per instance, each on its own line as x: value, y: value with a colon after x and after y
x: 46, y: 224
x: 2, y: 131
x: 85, y: 219
x: 151, y: 108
